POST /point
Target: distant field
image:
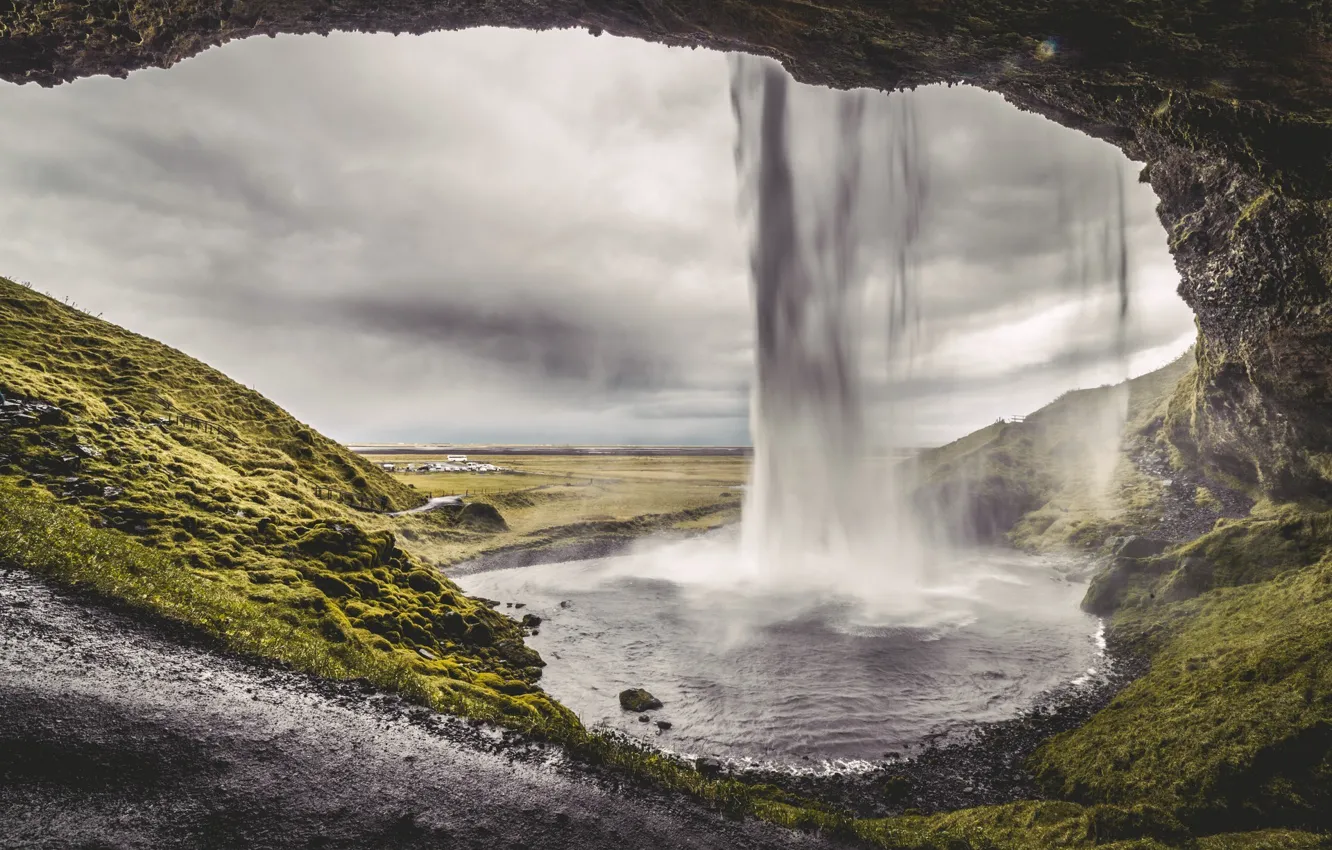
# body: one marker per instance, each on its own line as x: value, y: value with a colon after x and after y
x: 419, y: 450
x: 567, y: 497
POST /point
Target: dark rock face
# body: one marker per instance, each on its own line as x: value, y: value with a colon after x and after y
x: 1135, y: 547
x: 637, y: 699
x: 1254, y: 266
x: 1230, y: 105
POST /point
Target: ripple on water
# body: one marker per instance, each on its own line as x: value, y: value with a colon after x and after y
x: 814, y: 683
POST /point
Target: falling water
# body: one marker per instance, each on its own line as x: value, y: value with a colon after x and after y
x: 834, y: 186
x: 835, y: 212
x: 841, y: 628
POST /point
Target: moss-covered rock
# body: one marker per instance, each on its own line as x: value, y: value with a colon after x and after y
x: 637, y: 700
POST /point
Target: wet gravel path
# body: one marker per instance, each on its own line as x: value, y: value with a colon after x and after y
x: 1182, y: 518
x: 114, y: 734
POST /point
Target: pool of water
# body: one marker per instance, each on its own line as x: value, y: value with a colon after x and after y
x: 791, y: 676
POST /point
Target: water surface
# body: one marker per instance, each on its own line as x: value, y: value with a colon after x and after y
x: 793, y: 676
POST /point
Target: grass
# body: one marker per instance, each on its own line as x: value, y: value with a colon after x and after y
x: 237, y: 506
x: 41, y: 535
x: 549, y: 502
x: 1032, y: 825
x: 1060, y: 478
x: 1231, y: 727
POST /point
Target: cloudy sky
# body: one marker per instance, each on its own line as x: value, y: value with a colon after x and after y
x: 521, y: 237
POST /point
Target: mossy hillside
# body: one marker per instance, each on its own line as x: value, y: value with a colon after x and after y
x: 1232, y: 725
x: 55, y: 540
x: 1034, y: 481
x: 1037, y: 825
x: 1273, y: 539
x: 245, y: 505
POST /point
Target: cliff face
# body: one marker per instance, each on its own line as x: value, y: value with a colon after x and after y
x: 1254, y: 265
x: 1229, y: 104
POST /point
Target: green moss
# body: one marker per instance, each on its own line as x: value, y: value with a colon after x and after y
x: 1052, y: 825
x: 1273, y: 539
x: 1204, y: 498
x: 1232, y: 725
x: 240, y: 489
x: 1032, y: 825
x: 1251, y: 210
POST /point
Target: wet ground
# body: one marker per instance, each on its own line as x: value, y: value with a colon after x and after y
x: 1182, y: 518
x: 117, y: 734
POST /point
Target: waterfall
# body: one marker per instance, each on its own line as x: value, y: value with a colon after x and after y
x: 832, y: 184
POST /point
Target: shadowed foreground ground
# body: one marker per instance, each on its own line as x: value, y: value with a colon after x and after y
x: 112, y: 735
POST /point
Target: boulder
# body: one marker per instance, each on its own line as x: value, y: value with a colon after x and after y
x: 1135, y: 547
x: 663, y: 725
x: 637, y: 699
x: 1106, y: 591
x: 531, y: 621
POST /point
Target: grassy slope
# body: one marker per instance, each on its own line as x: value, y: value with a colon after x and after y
x: 235, y: 511
x: 1231, y: 727
x: 1030, y: 478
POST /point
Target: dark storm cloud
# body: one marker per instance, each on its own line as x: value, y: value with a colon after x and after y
x: 549, y: 342
x: 515, y: 236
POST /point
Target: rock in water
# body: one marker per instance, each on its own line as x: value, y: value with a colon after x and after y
x: 663, y: 725
x: 637, y: 699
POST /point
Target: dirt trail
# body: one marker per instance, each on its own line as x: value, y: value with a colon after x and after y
x: 113, y: 734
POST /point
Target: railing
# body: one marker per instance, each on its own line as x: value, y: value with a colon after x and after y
x: 175, y: 418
